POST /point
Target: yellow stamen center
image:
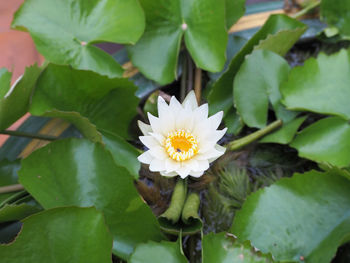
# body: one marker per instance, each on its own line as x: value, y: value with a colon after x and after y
x: 181, y: 145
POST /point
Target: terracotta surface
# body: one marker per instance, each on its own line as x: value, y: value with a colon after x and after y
x: 17, y: 48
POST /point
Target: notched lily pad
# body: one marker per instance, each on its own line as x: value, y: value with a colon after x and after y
x: 65, y: 31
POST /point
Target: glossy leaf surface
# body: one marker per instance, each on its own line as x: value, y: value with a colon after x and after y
x: 202, y: 23
x: 61, y: 235
x: 252, y: 96
x: 153, y: 252
x: 225, y: 249
x: 15, y: 102
x: 79, y: 172
x: 320, y: 85
x: 65, y: 31
x: 220, y: 97
x: 110, y: 104
x: 234, y: 10
x: 303, y: 218
x: 327, y: 140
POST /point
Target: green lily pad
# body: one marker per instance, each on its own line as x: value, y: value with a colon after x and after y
x: 286, y: 133
x: 203, y: 25
x: 5, y: 81
x: 336, y: 14
x: 54, y: 233
x: 320, y: 85
x: 224, y: 248
x: 300, y: 219
x: 153, y: 252
x: 234, y: 11
x: 327, y: 140
x: 14, y: 103
x: 79, y: 172
x: 220, y: 97
x: 65, y: 31
x: 84, y: 96
x: 124, y: 154
x: 253, y: 95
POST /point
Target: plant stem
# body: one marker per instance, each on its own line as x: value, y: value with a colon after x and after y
x: 198, y: 84
x: 306, y: 10
x: 183, y: 78
x: 190, y: 73
x: 11, y: 188
x: 29, y: 135
x: 237, y: 144
x: 173, y: 213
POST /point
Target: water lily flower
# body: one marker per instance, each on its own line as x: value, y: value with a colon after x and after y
x: 182, y: 140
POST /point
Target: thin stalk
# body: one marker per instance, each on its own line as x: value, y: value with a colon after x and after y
x: 198, y: 84
x: 183, y: 78
x: 11, y: 188
x: 306, y: 10
x: 29, y: 135
x: 237, y: 144
x: 190, y: 73
x: 13, y: 198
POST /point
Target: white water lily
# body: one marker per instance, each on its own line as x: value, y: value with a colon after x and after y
x: 182, y: 140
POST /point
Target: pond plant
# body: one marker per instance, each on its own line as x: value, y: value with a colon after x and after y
x: 244, y: 138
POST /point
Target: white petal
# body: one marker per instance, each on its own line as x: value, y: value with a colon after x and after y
x: 156, y: 165
x: 196, y: 174
x: 184, y: 120
x: 146, y: 158
x: 175, y: 105
x: 203, y: 165
x: 171, y: 165
x: 219, y: 149
x: 192, y: 164
x: 217, y: 135
x: 216, y: 119
x: 215, y: 152
x: 162, y: 107
x: 158, y: 152
x: 159, y: 137
x: 201, y: 112
x: 172, y: 174
x: 183, y: 171
x: 190, y: 102
x: 149, y: 141
x: 145, y: 128
x: 155, y: 123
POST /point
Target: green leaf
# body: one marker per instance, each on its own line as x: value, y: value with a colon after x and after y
x: 224, y: 249
x: 220, y: 97
x: 65, y: 31
x: 15, y: 102
x: 84, y: 96
x: 124, y: 154
x: 285, y: 134
x: 8, y: 176
x: 233, y: 122
x: 5, y: 81
x: 61, y: 235
x: 79, y: 172
x: 17, y: 212
x: 234, y: 10
x: 252, y: 95
x: 327, y: 140
x: 153, y: 252
x: 336, y: 14
x: 320, y: 85
x: 202, y: 23
x: 303, y: 218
